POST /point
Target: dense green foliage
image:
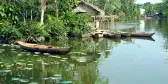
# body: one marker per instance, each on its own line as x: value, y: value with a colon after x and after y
x: 9, y: 31
x: 24, y: 17
x: 159, y: 9
x: 55, y: 28
x: 125, y: 9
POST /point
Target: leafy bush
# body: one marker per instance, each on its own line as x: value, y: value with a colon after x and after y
x: 77, y: 23
x: 9, y: 11
x: 55, y: 27
x: 33, y: 29
x: 9, y: 31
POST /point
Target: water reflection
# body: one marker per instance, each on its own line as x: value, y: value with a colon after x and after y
x: 92, y: 61
x: 25, y: 67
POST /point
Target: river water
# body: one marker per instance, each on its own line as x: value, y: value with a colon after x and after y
x: 94, y: 61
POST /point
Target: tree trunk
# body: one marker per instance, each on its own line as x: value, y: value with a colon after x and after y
x: 42, y: 17
x: 43, y: 8
x: 105, y: 4
x: 56, y: 8
x: 31, y: 14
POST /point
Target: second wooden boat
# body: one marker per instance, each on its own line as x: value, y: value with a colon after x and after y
x: 125, y: 34
x: 141, y: 34
x: 112, y: 35
x: 43, y: 48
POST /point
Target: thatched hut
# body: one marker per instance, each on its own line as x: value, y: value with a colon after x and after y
x: 85, y: 7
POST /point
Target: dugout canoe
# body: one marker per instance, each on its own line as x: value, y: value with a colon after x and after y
x: 43, y: 48
x: 141, y: 34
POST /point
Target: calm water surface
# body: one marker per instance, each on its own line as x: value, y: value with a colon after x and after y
x: 94, y: 61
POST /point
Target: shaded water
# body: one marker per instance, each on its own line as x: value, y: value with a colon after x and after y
x: 93, y: 61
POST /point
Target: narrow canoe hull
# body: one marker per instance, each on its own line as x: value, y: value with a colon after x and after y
x: 125, y: 34
x: 46, y: 49
x: 142, y: 34
x: 112, y: 35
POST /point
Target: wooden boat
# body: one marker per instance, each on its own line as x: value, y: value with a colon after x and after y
x: 43, y: 48
x: 141, y: 34
x: 125, y: 34
x: 112, y: 35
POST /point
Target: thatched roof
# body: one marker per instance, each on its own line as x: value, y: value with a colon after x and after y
x: 84, y: 6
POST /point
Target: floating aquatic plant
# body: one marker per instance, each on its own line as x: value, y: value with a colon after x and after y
x: 35, y: 55
x: 33, y: 83
x: 15, y: 79
x: 46, y: 54
x: 19, y: 54
x: 13, y: 49
x: 66, y: 82
x: 64, y: 58
x: 24, y: 80
x: 36, y: 52
x: 5, y: 71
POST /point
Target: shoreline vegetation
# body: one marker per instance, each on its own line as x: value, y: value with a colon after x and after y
x: 35, y: 21
x: 23, y: 20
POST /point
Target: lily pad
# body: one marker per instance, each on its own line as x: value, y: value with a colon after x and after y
x: 35, y: 55
x: 19, y: 54
x: 46, y: 54
x: 33, y: 83
x: 36, y: 52
x: 64, y: 58
x: 5, y: 71
x: 66, y: 82
x: 15, y: 79
x: 24, y: 80
x: 13, y: 49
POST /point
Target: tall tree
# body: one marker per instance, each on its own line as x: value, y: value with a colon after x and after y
x: 43, y: 8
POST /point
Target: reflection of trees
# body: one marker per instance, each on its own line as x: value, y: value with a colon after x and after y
x: 46, y: 67
x: 160, y: 26
x: 70, y: 69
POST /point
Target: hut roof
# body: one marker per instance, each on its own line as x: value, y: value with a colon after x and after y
x: 91, y: 6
